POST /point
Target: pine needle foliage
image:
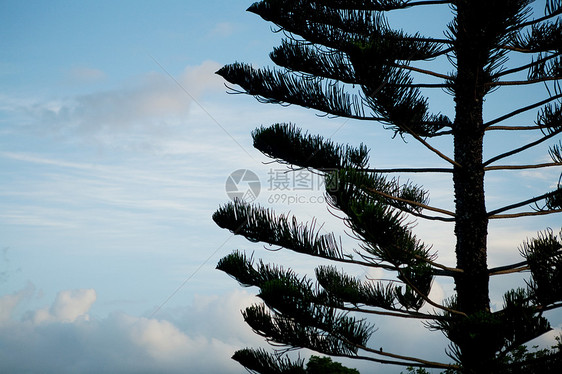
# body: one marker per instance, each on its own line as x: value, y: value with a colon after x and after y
x: 343, y: 58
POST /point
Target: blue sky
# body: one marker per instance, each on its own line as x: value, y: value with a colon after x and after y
x: 116, y: 140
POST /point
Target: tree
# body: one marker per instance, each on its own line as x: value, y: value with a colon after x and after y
x: 342, y: 58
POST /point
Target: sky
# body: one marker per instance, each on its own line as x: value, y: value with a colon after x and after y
x: 117, y: 141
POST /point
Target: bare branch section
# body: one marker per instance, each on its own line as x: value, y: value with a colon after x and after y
x: 536, y: 21
x: 520, y: 149
x: 527, y: 66
x: 399, y: 363
x: 432, y: 149
x: 520, y: 204
x: 523, y: 82
x: 526, y: 214
x: 426, y: 363
x: 514, y: 128
x: 410, y: 170
x: 522, y: 110
x: 522, y: 167
x: 424, y: 71
x: 510, y: 269
x: 397, y: 313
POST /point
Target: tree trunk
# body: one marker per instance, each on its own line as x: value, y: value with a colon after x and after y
x: 471, y: 227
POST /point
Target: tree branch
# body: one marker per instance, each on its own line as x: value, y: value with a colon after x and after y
x: 426, y: 298
x: 520, y: 149
x: 535, y: 21
x: 552, y: 306
x: 396, y: 313
x: 423, y: 71
x: 522, y: 83
x: 440, y: 266
x: 510, y: 128
x: 428, y: 146
x: 354, y: 262
x: 515, y: 268
x: 410, y: 170
x: 381, y: 361
x: 521, y: 110
x: 410, y: 202
x: 516, y: 49
x: 522, y: 203
x: 521, y: 167
x: 432, y: 364
x: 436, y: 272
x: 526, y: 214
x: 523, y: 67
x: 422, y: 85
x: 434, y: 2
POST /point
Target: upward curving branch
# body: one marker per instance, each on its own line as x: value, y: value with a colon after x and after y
x: 524, y: 147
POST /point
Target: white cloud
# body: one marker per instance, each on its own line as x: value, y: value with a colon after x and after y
x: 9, y: 302
x: 63, y: 339
x: 68, y: 307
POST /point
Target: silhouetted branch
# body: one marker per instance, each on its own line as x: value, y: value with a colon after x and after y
x: 424, y: 71
x: 510, y: 128
x: 521, y: 110
x: 522, y: 203
x: 428, y: 146
x: 395, y: 313
x: 522, y: 83
x: 410, y: 170
x: 535, y: 21
x: 520, y: 149
x: 426, y: 363
x: 410, y: 202
x: 522, y: 167
x: 508, y: 269
x: 526, y: 214
x: 523, y: 67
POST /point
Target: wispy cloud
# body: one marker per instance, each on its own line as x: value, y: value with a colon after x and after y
x: 222, y: 29
x: 138, y: 111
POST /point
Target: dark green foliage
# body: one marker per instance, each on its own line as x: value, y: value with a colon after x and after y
x: 544, y: 256
x: 412, y: 370
x: 262, y: 225
x: 550, y: 119
x: 331, y: 333
x: 503, y: 331
x: 288, y: 144
x: 343, y: 58
x: 348, y: 289
x: 259, y: 361
x: 325, y: 365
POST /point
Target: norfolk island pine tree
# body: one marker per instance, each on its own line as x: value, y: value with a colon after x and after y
x: 342, y: 58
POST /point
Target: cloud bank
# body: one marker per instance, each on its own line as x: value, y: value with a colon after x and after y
x: 65, y: 338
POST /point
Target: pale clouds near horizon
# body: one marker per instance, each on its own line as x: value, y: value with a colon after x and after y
x: 65, y: 338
